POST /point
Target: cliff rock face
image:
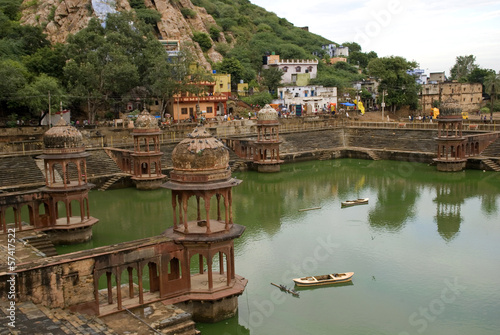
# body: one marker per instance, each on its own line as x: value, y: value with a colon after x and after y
x: 62, y: 18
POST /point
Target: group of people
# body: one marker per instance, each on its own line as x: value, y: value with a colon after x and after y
x: 485, y: 119
x: 420, y: 118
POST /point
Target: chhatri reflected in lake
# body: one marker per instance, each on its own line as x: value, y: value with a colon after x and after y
x: 425, y: 249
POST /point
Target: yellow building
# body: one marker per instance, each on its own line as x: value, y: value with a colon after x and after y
x: 222, y: 83
x: 243, y: 89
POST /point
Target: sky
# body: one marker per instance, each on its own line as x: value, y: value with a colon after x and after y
x: 431, y: 32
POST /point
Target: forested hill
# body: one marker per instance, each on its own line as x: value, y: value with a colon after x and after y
x: 211, y: 30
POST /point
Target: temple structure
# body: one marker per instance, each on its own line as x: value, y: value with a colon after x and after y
x: 267, y: 146
x: 201, y: 171
x: 146, y: 156
x: 451, y: 152
x: 65, y: 163
x: 61, y: 207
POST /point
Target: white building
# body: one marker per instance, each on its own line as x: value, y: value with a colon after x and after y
x: 334, y: 50
x: 297, y: 71
x: 312, y: 99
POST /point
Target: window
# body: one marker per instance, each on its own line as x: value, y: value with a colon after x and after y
x: 285, y: 69
x: 310, y: 68
x: 184, y: 110
x: 209, y: 110
x: 298, y: 69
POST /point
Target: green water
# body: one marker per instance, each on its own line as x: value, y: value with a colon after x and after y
x: 425, y: 250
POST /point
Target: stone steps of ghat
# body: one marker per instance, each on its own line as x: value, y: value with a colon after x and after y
x: 44, y: 244
x: 493, y: 150
x: 98, y: 164
x: 19, y: 170
x: 23, y: 170
x: 36, y: 319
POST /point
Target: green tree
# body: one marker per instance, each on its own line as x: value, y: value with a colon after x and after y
x: 463, y: 67
x: 232, y: 66
x: 37, y: 95
x: 167, y: 77
x: 258, y: 99
x: 109, y: 62
x: 478, y: 75
x: 49, y: 60
x: 353, y: 46
x: 492, y: 86
x: 18, y: 78
x: 272, y: 78
x: 11, y: 8
x: 401, y: 88
x: 203, y: 40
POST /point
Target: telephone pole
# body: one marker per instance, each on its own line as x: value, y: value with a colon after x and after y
x: 50, y: 121
x: 383, y: 104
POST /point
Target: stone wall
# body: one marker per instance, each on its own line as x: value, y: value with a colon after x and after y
x: 312, y: 140
x: 392, y: 139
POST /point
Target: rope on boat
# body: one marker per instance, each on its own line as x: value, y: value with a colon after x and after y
x: 286, y: 289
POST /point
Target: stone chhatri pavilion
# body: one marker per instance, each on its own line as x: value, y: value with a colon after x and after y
x: 201, y: 170
x: 452, y: 151
x: 147, y: 172
x: 267, y: 146
x: 65, y: 164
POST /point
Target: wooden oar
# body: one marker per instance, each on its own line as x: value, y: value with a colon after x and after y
x: 309, y: 209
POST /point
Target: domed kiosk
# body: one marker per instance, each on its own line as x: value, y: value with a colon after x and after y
x: 201, y: 170
x: 450, y: 141
x: 147, y: 155
x: 65, y: 168
x: 267, y: 147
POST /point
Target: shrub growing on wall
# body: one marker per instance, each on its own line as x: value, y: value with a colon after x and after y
x: 203, y: 40
x: 188, y: 13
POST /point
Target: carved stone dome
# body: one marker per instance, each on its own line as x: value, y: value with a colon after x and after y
x: 63, y: 136
x: 267, y: 114
x: 200, y: 152
x: 145, y: 121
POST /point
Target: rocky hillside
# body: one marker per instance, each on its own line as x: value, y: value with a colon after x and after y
x: 61, y: 18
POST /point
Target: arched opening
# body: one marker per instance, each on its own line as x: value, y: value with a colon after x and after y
x: 174, y: 269
x: 74, y: 209
x: 106, y: 289
x: 44, y: 214
x: 151, y: 277
x: 198, y: 264
x: 144, y: 169
x: 71, y: 173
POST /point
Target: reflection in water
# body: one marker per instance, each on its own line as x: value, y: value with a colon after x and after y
x: 449, y: 199
x: 394, y: 206
x: 266, y: 200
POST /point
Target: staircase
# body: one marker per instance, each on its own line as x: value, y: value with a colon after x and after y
x: 491, y: 164
x: 492, y: 150
x: 111, y: 181
x: 239, y: 165
x: 20, y: 170
x: 57, y: 176
x: 373, y: 155
x: 179, y: 324
x: 42, y: 243
x: 37, y: 319
x: 325, y: 156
